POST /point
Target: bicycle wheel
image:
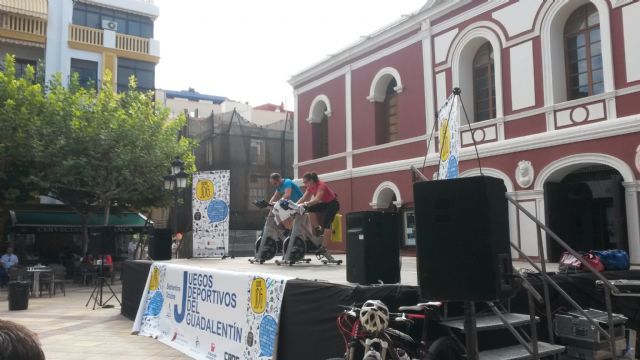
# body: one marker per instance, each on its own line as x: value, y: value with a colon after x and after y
x: 443, y: 349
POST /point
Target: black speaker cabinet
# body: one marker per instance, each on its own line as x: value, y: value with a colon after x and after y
x: 160, y: 245
x: 373, y: 247
x: 463, y: 248
x: 102, y: 241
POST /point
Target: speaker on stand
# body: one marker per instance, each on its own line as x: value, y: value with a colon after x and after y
x: 160, y: 244
x: 373, y: 247
x: 463, y: 246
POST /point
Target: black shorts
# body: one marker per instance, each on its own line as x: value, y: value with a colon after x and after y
x: 328, y: 210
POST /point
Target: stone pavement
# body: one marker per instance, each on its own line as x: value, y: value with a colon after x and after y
x: 70, y: 331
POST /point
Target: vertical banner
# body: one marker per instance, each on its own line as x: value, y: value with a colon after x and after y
x: 448, y: 125
x: 211, y: 213
x: 212, y: 314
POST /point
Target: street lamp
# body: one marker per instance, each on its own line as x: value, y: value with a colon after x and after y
x: 176, y: 165
x: 175, y: 182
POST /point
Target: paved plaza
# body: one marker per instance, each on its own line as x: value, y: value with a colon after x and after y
x: 68, y: 330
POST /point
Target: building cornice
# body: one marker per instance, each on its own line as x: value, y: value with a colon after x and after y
x: 385, y: 35
x: 604, y: 129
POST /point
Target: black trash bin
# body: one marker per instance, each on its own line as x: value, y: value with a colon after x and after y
x: 18, y: 295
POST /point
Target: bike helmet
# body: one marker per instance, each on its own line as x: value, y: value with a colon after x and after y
x: 374, y: 316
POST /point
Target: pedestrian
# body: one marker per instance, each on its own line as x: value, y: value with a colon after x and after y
x: 7, y: 261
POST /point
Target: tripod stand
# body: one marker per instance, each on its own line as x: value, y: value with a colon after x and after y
x: 97, y: 292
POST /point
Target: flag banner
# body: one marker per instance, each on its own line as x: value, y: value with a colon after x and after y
x: 448, y: 125
x: 211, y: 213
x: 212, y: 314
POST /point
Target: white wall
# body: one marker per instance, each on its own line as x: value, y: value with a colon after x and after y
x: 265, y: 117
x: 523, y: 93
x: 59, y: 18
x: 631, y: 26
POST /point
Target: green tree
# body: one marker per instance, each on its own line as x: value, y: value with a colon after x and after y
x: 21, y: 110
x: 108, y: 149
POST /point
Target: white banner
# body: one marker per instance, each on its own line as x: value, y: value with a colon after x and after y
x: 448, y: 125
x: 211, y: 213
x: 212, y: 314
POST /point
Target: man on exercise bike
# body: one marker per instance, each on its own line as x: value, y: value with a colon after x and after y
x: 286, y: 189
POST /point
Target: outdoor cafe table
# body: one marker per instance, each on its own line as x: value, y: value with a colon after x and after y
x: 36, y: 271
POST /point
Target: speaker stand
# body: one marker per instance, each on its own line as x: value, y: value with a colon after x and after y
x: 97, y: 292
x: 470, y: 330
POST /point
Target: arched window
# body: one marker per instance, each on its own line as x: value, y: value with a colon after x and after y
x: 484, y: 91
x: 387, y: 115
x: 583, y: 54
x: 320, y: 131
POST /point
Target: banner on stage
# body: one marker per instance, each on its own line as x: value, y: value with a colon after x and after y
x: 448, y: 125
x: 212, y: 314
x: 211, y: 213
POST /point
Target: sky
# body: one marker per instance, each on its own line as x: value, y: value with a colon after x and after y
x: 246, y: 50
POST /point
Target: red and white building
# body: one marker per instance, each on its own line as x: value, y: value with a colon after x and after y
x: 552, y: 90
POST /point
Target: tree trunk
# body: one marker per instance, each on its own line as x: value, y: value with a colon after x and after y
x: 85, y: 233
x: 107, y: 211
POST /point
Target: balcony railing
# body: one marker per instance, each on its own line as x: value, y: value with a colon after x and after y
x: 122, y: 44
x: 86, y: 35
x: 29, y: 26
x: 132, y: 43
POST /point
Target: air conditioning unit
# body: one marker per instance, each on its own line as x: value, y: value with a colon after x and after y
x: 109, y: 25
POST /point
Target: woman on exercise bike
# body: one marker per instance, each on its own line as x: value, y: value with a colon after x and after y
x: 321, y: 202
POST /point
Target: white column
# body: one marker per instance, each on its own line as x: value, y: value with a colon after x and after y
x: 348, y: 118
x: 542, y: 217
x: 633, y: 226
x: 296, y: 112
x: 429, y: 88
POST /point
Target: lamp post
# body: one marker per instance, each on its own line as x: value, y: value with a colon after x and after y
x: 175, y: 182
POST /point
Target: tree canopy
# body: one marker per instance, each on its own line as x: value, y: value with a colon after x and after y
x: 84, y: 146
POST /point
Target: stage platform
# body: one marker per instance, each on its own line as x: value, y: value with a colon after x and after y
x: 315, y: 270
x: 311, y: 301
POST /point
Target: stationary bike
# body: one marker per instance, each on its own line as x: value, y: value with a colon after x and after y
x: 269, y: 244
x: 302, y: 239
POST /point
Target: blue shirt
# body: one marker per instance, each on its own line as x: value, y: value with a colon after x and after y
x: 296, y: 193
x: 9, y: 260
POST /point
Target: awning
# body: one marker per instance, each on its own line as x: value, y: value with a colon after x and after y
x: 29, y: 221
x: 36, y: 8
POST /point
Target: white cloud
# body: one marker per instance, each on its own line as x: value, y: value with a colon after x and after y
x: 248, y: 49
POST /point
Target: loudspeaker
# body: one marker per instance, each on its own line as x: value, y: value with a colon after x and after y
x: 463, y: 247
x: 373, y: 247
x: 160, y: 244
x: 102, y: 241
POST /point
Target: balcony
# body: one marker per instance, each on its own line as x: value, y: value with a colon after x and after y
x: 23, y: 28
x: 86, y: 35
x: 98, y: 40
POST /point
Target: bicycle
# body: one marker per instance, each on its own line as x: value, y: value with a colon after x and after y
x: 270, y: 242
x: 361, y: 343
x: 444, y: 347
x: 303, y: 239
x: 396, y: 344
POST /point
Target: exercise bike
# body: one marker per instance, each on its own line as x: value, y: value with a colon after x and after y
x: 269, y: 244
x: 302, y: 239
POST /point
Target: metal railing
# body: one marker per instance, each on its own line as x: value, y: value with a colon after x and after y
x: 547, y: 281
x: 86, y: 35
x: 132, y: 43
x: 23, y: 24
